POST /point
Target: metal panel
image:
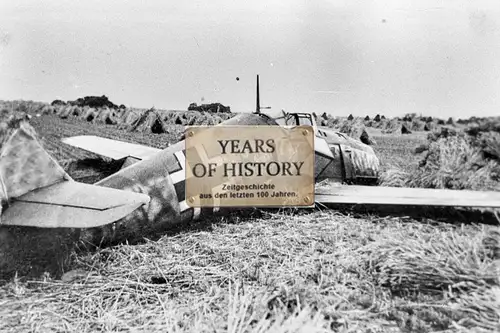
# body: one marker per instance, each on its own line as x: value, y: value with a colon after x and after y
x: 51, y: 216
x: 75, y: 194
x: 111, y: 148
x: 353, y: 194
x: 70, y: 204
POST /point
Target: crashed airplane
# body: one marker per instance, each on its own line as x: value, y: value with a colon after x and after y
x: 148, y: 193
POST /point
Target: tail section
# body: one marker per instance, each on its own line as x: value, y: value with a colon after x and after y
x: 36, y: 191
x: 24, y: 164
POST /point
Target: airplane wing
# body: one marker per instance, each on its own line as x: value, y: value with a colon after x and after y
x: 111, y: 148
x: 70, y: 204
x: 380, y: 195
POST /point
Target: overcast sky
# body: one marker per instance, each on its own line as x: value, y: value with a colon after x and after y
x: 439, y: 58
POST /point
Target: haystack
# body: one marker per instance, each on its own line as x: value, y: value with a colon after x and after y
x: 90, y: 115
x: 226, y: 116
x: 130, y: 116
x: 355, y: 129
x: 351, y: 117
x: 65, y: 111
x: 365, y: 138
x: 381, y: 124
x: 149, y: 122
x: 391, y: 126
x: 196, y: 114
x: 202, y: 120
x: 107, y: 116
x: 58, y: 109
x: 48, y: 109
x: 350, y: 127
x: 404, y: 129
x: 76, y: 111
x: 457, y: 159
x: 192, y: 121
x: 217, y: 120
x: 370, y: 123
x: 83, y: 112
x: 168, y: 116
x: 179, y: 121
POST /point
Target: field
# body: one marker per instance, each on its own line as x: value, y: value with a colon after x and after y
x: 269, y: 271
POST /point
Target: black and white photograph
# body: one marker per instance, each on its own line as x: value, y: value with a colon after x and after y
x: 250, y: 166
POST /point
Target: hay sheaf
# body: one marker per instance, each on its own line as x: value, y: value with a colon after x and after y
x: 405, y: 125
x: 455, y: 159
x: 149, y: 121
x: 354, y: 128
x: 130, y: 116
x: 107, y: 116
x: 135, y: 119
x: 389, y: 125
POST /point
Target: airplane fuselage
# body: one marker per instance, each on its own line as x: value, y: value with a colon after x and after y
x: 163, y: 177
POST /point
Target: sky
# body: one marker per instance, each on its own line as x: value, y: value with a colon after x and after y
x: 436, y: 58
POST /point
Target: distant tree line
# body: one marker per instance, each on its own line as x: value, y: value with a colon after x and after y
x: 213, y: 107
x: 90, y: 101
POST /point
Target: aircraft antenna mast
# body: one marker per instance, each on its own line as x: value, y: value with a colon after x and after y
x: 257, y: 107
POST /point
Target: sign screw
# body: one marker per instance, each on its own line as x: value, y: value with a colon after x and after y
x: 191, y: 199
x: 190, y: 133
x: 306, y: 199
x: 305, y: 132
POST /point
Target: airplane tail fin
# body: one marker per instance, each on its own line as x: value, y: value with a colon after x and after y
x: 36, y: 191
x: 24, y: 163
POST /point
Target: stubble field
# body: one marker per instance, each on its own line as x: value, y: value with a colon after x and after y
x: 269, y: 271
